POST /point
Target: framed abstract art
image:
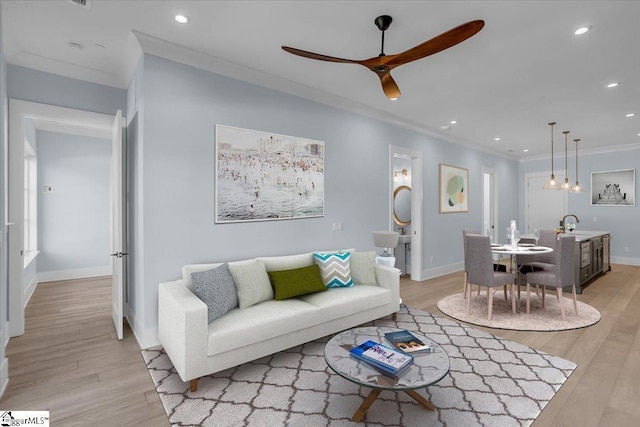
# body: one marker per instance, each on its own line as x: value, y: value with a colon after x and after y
x: 454, y: 189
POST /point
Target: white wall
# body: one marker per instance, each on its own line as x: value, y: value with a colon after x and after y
x: 73, y: 219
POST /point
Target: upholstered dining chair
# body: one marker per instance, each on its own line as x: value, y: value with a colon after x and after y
x: 496, y: 266
x: 479, y: 268
x: 537, y: 262
x: 465, y: 285
x: 560, y: 276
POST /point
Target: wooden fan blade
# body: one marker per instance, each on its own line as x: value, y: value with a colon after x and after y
x: 389, y: 86
x: 438, y: 43
x: 318, y: 56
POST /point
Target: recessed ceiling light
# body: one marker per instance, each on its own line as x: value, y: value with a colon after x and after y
x: 453, y: 122
x: 497, y: 138
x: 526, y: 150
x: 183, y: 19
x: 612, y: 84
x: 630, y: 115
x: 444, y: 127
x: 75, y: 45
x: 581, y: 30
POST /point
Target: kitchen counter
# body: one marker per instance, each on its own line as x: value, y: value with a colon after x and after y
x: 586, y: 235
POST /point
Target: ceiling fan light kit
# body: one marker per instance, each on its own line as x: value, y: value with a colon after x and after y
x: 382, y: 64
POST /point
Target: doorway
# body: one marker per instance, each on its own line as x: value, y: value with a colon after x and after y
x: 405, y: 186
x: 83, y: 122
x: 489, y: 203
x: 543, y: 208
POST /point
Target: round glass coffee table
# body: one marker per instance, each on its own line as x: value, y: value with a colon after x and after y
x: 427, y: 368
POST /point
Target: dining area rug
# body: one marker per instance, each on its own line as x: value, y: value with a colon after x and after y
x: 492, y: 382
x: 539, y: 319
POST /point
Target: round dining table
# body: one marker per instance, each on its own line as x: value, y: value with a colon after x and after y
x: 512, y: 251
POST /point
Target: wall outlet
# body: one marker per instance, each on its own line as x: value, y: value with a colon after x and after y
x: 431, y: 259
x: 626, y: 248
x: 47, y: 189
x: 595, y: 219
x: 337, y: 226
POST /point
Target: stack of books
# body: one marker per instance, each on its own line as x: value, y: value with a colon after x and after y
x: 406, y: 342
x: 383, y: 358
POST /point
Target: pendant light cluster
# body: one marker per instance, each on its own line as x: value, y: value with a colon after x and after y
x: 552, y: 184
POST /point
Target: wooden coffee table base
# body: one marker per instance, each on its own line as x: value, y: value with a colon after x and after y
x: 368, y: 401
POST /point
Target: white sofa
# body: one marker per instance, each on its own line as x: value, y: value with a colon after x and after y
x: 241, y: 335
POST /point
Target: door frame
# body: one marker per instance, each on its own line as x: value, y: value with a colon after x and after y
x: 416, y: 158
x: 494, y: 198
x: 86, y: 123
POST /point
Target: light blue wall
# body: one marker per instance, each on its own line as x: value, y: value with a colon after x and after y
x: 37, y: 86
x: 73, y: 219
x: 182, y: 105
x: 4, y: 291
x: 621, y: 221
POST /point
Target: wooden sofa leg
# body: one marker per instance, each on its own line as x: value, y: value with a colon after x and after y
x: 193, y: 384
x: 394, y: 316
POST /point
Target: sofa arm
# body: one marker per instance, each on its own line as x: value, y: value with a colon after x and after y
x: 389, y: 278
x: 182, y: 328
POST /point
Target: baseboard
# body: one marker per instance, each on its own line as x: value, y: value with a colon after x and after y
x: 78, y: 273
x: 147, y: 338
x: 432, y: 273
x: 4, y: 376
x: 625, y: 260
x: 30, y: 289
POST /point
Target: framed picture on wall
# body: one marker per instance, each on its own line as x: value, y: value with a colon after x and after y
x: 454, y: 189
x: 613, y: 188
x: 265, y: 176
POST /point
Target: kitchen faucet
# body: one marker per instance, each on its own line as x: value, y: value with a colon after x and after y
x: 562, y: 223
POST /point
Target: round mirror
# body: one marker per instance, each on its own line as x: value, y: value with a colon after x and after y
x: 402, y: 205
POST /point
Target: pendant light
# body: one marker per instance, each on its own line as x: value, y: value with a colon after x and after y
x: 565, y: 185
x: 577, y: 188
x: 551, y: 184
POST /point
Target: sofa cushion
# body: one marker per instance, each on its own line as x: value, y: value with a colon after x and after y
x: 334, y: 269
x: 215, y: 288
x: 260, y: 322
x: 341, y: 302
x: 287, y: 262
x: 299, y: 281
x: 363, y: 271
x: 252, y: 282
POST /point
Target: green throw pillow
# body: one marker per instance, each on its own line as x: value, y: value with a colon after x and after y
x: 296, y: 282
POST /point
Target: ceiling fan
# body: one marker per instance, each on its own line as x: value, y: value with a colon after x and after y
x: 383, y: 64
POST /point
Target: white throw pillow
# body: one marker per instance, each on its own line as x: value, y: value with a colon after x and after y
x: 363, y: 268
x: 252, y: 281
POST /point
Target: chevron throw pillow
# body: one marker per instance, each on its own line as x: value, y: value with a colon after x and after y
x: 335, y: 269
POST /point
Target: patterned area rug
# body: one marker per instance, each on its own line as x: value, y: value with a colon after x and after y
x: 492, y: 382
x: 539, y: 319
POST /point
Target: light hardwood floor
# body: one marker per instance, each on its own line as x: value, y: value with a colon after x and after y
x: 69, y: 362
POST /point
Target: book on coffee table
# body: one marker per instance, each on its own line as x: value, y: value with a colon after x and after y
x: 406, y: 342
x: 384, y: 358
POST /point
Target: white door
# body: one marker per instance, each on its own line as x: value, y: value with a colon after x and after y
x: 543, y: 208
x: 489, y: 204
x: 118, y: 231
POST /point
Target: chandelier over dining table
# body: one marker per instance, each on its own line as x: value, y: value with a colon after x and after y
x: 552, y: 184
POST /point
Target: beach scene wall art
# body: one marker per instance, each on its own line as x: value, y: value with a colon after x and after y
x: 264, y: 176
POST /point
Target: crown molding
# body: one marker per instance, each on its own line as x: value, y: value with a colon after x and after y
x: 587, y: 152
x: 184, y: 55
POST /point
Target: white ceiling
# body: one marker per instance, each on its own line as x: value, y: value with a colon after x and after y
x: 523, y: 70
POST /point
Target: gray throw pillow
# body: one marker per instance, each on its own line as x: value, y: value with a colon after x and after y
x: 215, y: 288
